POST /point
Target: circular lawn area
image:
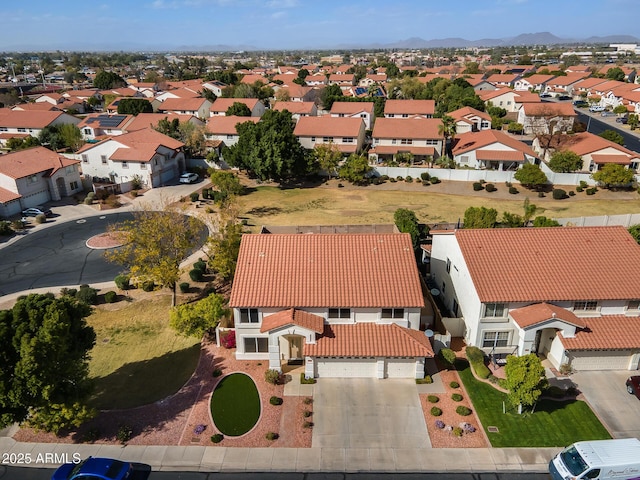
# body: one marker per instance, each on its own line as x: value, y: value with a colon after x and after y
x: 235, y: 405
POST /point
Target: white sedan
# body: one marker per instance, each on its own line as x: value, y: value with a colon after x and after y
x: 188, y: 177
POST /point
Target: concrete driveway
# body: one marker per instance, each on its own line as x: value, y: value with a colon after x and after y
x: 368, y: 413
x: 608, y: 397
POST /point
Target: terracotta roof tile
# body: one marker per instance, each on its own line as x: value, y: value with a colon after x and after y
x: 226, y: 125
x: 410, y: 107
x: 28, y: 118
x: 140, y: 145
x: 326, y: 270
x: 295, y: 107
x: 549, y: 109
x: 469, y: 141
x: 32, y: 161
x: 414, y: 128
x: 150, y: 120
x: 552, y: 264
x: 609, y: 332
x: 192, y: 104
x: 544, y: 312
x: 393, y: 149
x: 369, y: 340
x: 223, y: 104
x: 328, y: 126
x: 293, y: 316
x: 8, y: 195
x: 350, y: 108
x: 467, y: 112
x: 619, y: 159
x: 497, y: 155
x: 584, y: 143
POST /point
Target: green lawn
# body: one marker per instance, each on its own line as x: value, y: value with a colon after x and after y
x: 138, y: 359
x: 553, y: 424
x: 235, y: 405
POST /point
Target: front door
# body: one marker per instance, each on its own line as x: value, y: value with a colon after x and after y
x: 295, y: 348
x: 536, y: 342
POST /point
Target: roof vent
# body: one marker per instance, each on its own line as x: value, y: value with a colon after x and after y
x: 553, y: 314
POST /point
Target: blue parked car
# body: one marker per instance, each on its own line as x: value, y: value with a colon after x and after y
x: 94, y: 469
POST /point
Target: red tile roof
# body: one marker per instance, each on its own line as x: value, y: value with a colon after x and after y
x: 328, y: 126
x: 32, y: 161
x: 351, y: 108
x: 223, y: 104
x: 547, y: 109
x: 150, y: 120
x: 369, y: 340
x: 498, y: 155
x: 192, y: 104
x: 584, y: 143
x: 609, y: 332
x: 28, y: 118
x: 326, y: 270
x: 469, y: 141
x: 619, y: 159
x: 8, y: 195
x: 140, y: 145
x: 414, y: 128
x: 295, y: 107
x: 410, y: 107
x: 542, y: 313
x: 552, y: 264
x: 468, y: 112
x: 293, y: 316
x: 226, y: 125
x: 393, y: 149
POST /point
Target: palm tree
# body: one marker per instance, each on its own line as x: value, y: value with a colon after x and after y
x: 448, y: 131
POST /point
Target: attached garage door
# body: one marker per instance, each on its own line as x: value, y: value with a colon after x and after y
x: 346, y: 367
x: 601, y: 360
x: 168, y: 174
x: 36, y: 199
x: 401, y: 368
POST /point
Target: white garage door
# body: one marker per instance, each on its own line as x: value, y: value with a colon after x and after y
x: 401, y: 368
x: 36, y: 199
x: 346, y: 367
x: 601, y: 360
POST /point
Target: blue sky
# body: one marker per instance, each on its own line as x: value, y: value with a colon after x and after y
x: 291, y: 24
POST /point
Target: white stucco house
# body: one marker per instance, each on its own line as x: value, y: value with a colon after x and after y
x: 223, y: 129
x: 24, y: 123
x: 571, y: 294
x: 347, y: 134
x: 543, y: 118
x: 364, y: 110
x: 469, y: 119
x: 418, y: 136
x: 491, y: 150
x: 343, y: 305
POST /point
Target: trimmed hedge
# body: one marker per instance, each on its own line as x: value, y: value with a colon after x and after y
x: 110, y: 296
x: 436, y: 412
x: 433, y: 399
x: 462, y: 410
x: 456, y: 397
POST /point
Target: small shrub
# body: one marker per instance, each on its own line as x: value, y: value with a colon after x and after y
x: 481, y: 370
x: 579, y: 189
x: 590, y: 191
x: 125, y: 432
x: 456, y: 397
x: 148, y: 286
x: 513, y: 190
x: 217, y: 438
x: 205, y: 193
x: 195, y: 275
x: 462, y: 410
x: 340, y: 185
x: 69, y: 292
x: 559, y: 194
x: 272, y: 377
x: 457, y: 431
x: 87, y: 295
x: 307, y: 424
x: 110, y: 296
x: 200, y: 265
x: 447, y: 355
x: 425, y: 176
x: 468, y: 428
x: 306, y: 381
x: 409, y: 179
x: 400, y: 178
x: 426, y: 380
x: 122, y: 282
x: 540, y: 194
x: 184, y: 287
x: 435, y: 180
x: 508, y: 184
x: 474, y: 354
x: 565, y: 369
x: 199, y: 429
x: 439, y: 424
x: 41, y: 218
x: 275, y: 400
x: 490, y: 187
x: 6, y: 227
x: 308, y: 401
x: 392, y: 180
x: 194, y: 196
x: 307, y: 413
x: 436, y: 412
x: 216, y: 373
x: 583, y: 184
x: 134, y: 193
x: 433, y: 398
x: 454, y: 384
x: 271, y: 436
x: 228, y: 339
x: 477, y: 186
x: 571, y: 193
x: 482, y: 181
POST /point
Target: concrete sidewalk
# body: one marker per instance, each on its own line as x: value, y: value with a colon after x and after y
x: 226, y: 459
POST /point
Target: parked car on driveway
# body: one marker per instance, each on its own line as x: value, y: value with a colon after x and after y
x: 564, y: 97
x: 623, y: 120
x: 607, y: 113
x: 35, y: 211
x: 188, y: 177
x: 596, y: 108
x: 633, y: 385
x: 545, y: 95
x: 94, y: 469
x: 580, y: 103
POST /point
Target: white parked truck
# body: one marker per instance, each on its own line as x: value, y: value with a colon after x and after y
x: 617, y: 459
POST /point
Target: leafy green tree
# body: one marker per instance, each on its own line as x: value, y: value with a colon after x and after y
x: 239, y: 109
x: 154, y: 245
x: 71, y: 136
x: 223, y: 247
x: 511, y: 220
x: 407, y: 222
x: 170, y: 128
x: 227, y: 183
x: 193, y: 137
x: 327, y: 156
x: 196, y: 319
x: 613, y: 136
x: 571, y: 61
x: 108, y: 80
x: 542, y: 221
x: 620, y: 109
x: 330, y: 94
x: 480, y: 217
x: 356, y: 169
x: 44, y: 352
x: 134, y: 106
x: 515, y: 127
x: 525, y: 380
x: 529, y: 211
x: 471, y: 68
x: 615, y: 73
x: 632, y: 121
x: 22, y: 143
x: 530, y: 176
x: 565, y: 161
x: 447, y: 129
x: 614, y: 175
x: 269, y: 149
x: 634, y: 230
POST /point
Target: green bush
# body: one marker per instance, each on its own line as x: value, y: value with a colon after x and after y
x: 477, y: 186
x: 87, y: 295
x: 217, y: 438
x: 41, y: 218
x: 425, y: 380
x: 216, y: 373
x: 205, y: 193
x: 201, y: 265
x: 490, y: 187
x: 307, y: 413
x: 392, y: 180
x: 447, y: 355
x: 272, y: 377
x: 5, y: 228
x: 454, y: 385
x: 409, y: 179
x: 88, y: 200
x: 275, y: 400
x: 195, y: 275
x: 474, y: 354
x: 462, y: 410
x: 148, y: 286
x: 306, y: 381
x: 457, y: 431
x: 513, y: 190
x: 110, y: 296
x: 425, y: 176
x: 590, y: 191
x: 436, y: 412
x: 194, y: 196
x: 184, y: 287
x: 122, y: 282
x: 433, y: 399
x: 125, y: 432
x: 272, y: 436
x: 69, y: 292
x: 559, y: 194
x: 308, y: 401
x: 307, y: 424
x: 456, y: 397
x: 583, y: 184
x: 435, y: 180
x: 399, y: 178
x: 579, y: 189
x: 571, y: 193
x: 481, y: 370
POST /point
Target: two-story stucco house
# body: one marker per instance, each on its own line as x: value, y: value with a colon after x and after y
x: 364, y: 110
x: 345, y: 305
x: 469, y: 119
x: 492, y: 150
x: 571, y: 294
x: 345, y: 133
x: 543, y: 118
x: 35, y: 176
x: 223, y: 129
x: 418, y: 136
x: 221, y: 105
x: 24, y: 123
x: 196, y: 106
x: 409, y: 108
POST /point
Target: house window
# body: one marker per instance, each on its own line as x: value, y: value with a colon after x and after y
x: 448, y: 265
x: 464, y: 159
x: 73, y: 185
x: 87, y: 131
x: 392, y: 313
x: 327, y: 139
x: 249, y: 315
x: 432, y: 142
x: 143, y: 166
x: 125, y: 164
x: 341, y: 115
x: 394, y: 141
x: 585, y: 305
x: 22, y: 130
x: 256, y: 344
x: 229, y: 137
x: 494, y: 310
x: 495, y: 339
x: 405, y: 115
x: 347, y: 140
x: 103, y: 159
x: 313, y: 139
x: 4, y: 129
x: 339, y: 313
x: 406, y: 141
x: 32, y: 179
x: 633, y: 305
x: 85, y: 158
